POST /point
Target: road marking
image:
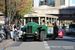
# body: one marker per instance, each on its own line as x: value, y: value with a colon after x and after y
x: 45, y: 42
x: 46, y: 45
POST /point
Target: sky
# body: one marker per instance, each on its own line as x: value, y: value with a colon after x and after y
x: 73, y: 1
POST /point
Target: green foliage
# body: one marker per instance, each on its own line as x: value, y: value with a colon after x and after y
x: 26, y: 9
x: 2, y: 6
x: 16, y: 8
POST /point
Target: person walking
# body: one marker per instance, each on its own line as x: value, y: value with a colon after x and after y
x: 15, y: 26
x: 15, y: 35
x: 56, y: 30
x: 8, y: 31
x: 20, y: 27
x: 11, y: 32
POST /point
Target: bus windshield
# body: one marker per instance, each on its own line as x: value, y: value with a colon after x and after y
x: 72, y: 26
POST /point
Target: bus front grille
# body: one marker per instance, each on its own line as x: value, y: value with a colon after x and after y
x: 29, y: 29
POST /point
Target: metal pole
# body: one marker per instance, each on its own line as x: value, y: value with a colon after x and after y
x: 45, y: 20
x: 39, y: 20
x: 24, y: 21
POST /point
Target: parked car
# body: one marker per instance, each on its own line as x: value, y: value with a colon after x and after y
x: 60, y: 33
x: 20, y: 32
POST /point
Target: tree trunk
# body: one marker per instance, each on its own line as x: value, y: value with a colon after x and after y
x: 6, y: 8
x: 7, y: 14
x: 16, y: 21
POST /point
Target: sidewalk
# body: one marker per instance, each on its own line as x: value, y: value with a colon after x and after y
x: 5, y: 43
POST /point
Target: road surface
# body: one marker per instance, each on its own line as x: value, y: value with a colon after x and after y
x: 65, y: 43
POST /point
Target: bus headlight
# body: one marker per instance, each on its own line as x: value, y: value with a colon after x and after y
x: 24, y: 32
x: 36, y: 32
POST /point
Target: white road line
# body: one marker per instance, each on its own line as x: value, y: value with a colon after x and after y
x: 45, y: 42
x: 46, y: 45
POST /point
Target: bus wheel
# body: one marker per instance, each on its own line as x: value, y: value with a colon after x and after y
x: 24, y: 38
x: 42, y: 36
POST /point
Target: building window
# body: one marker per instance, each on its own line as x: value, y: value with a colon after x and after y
x: 47, y: 2
x: 62, y: 2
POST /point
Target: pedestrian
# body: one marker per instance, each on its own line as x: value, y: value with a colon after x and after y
x: 8, y: 27
x: 8, y: 31
x: 15, y: 26
x: 15, y: 34
x: 20, y: 27
x: 55, y: 30
x: 11, y: 32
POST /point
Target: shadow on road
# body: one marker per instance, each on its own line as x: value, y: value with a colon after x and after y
x: 69, y: 40
x: 58, y: 39
x: 29, y: 40
x: 73, y: 36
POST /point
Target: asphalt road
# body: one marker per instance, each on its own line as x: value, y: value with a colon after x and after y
x: 65, y: 43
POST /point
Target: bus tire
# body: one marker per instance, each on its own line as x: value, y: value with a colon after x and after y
x: 24, y: 38
x: 42, y: 36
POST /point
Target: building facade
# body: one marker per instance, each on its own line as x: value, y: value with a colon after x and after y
x: 60, y: 8
x: 52, y: 3
x: 50, y: 11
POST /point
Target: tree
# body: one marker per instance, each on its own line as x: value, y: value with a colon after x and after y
x: 24, y: 6
x: 2, y: 6
x: 15, y: 8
